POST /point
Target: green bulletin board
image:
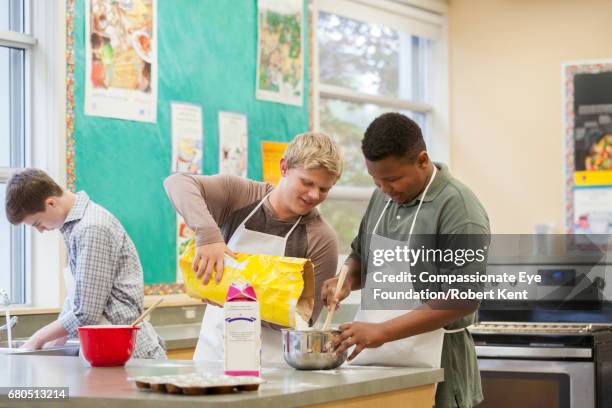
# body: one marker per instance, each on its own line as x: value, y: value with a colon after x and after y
x: 207, y: 56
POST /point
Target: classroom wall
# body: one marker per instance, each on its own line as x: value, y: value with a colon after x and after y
x: 207, y: 56
x: 506, y: 100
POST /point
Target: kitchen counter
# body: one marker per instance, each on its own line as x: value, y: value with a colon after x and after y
x: 285, y: 387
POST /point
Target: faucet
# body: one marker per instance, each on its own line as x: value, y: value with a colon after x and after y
x: 11, y: 323
x: 5, y: 301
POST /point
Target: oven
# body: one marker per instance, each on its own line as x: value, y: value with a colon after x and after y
x: 554, y: 350
x: 544, y: 365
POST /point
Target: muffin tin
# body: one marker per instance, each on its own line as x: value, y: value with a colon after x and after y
x: 197, y: 383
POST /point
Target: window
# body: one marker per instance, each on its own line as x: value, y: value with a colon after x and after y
x: 372, y: 57
x: 14, y: 48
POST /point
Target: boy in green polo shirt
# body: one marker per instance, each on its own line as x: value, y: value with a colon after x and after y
x: 414, y: 196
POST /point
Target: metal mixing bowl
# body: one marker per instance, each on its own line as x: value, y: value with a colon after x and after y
x: 311, y: 349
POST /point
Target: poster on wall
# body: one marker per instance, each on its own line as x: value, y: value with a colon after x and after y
x: 187, y: 134
x: 233, y: 144
x: 588, y: 142
x: 271, y: 155
x: 121, y: 59
x: 280, y: 51
x: 592, y: 210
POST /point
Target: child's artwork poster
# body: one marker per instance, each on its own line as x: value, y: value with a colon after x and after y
x: 280, y: 57
x: 233, y: 144
x: 593, y: 210
x: 187, y: 132
x: 588, y: 146
x: 121, y: 59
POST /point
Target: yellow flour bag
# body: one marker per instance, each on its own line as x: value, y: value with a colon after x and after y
x: 284, y: 285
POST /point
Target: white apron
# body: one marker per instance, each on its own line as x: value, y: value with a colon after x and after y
x: 210, y: 343
x: 422, y: 350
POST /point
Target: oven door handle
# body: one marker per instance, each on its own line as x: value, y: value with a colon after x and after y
x: 533, y: 352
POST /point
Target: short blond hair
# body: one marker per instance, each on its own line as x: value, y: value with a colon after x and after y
x: 313, y: 150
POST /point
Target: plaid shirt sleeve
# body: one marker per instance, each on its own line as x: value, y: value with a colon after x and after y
x: 95, y: 259
x: 66, y: 308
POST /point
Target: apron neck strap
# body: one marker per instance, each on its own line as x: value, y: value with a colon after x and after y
x: 380, y: 216
x: 433, y: 176
x: 292, y: 228
x: 248, y: 217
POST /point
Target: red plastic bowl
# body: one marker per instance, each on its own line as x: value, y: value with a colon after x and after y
x: 106, y: 345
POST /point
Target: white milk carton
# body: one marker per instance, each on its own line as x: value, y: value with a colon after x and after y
x: 242, y: 330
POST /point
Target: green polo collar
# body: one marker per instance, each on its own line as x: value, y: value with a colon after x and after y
x: 443, y: 176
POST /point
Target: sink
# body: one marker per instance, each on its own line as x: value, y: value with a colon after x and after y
x: 71, y: 348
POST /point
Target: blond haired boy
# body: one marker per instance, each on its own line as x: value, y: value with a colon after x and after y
x: 233, y: 214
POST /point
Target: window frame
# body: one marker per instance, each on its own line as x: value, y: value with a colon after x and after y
x: 43, y: 38
x: 429, y: 12
x: 20, y: 109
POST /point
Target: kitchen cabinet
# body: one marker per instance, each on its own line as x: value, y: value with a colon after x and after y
x: 181, y: 353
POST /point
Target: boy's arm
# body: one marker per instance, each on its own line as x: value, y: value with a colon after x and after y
x: 50, y: 332
x: 364, y: 335
x: 206, y: 201
x: 352, y: 282
x: 96, y: 257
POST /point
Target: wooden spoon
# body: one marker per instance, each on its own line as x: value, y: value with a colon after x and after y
x: 146, y: 312
x: 330, y: 313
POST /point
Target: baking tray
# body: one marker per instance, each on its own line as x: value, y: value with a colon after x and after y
x: 197, y: 384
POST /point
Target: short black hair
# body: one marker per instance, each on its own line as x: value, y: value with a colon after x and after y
x: 392, y: 134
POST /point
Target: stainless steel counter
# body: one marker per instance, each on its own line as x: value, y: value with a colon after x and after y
x: 285, y: 387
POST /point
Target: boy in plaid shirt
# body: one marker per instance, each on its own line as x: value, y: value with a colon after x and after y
x: 104, y: 279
